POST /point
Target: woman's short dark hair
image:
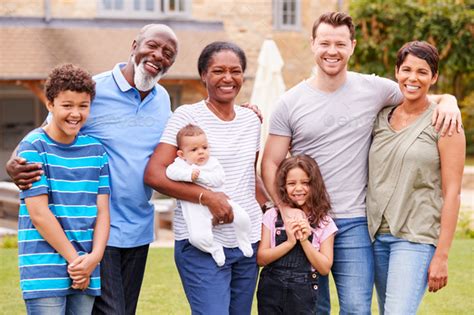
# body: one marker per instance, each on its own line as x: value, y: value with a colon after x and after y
x: 210, y: 50
x: 68, y: 77
x: 422, y: 50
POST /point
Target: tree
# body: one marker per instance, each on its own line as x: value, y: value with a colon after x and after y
x: 384, y: 26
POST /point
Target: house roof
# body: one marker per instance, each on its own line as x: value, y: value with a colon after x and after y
x: 29, y: 53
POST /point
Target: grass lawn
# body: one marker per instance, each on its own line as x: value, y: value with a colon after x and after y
x: 162, y: 292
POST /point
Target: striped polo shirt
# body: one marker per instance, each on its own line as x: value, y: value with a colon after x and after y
x: 234, y: 144
x: 74, y: 174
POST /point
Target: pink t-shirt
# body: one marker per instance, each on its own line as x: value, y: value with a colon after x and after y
x: 327, y: 228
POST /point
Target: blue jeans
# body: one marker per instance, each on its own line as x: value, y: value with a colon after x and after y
x: 121, y: 273
x: 213, y: 290
x: 401, y: 273
x: 72, y: 304
x: 352, y: 269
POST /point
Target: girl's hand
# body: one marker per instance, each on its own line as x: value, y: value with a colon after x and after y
x: 295, y: 215
x: 291, y: 228
x: 305, y: 229
x: 437, y: 273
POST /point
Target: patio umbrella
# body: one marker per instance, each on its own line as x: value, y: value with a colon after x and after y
x: 268, y: 85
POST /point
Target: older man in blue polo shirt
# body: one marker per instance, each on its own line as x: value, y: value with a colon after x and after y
x: 128, y: 116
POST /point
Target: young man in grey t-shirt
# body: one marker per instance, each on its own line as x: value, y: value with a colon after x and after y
x: 330, y: 118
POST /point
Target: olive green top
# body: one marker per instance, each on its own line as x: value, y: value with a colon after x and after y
x: 405, y: 179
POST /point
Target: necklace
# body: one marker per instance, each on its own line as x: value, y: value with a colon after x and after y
x: 216, y: 111
x: 401, y: 119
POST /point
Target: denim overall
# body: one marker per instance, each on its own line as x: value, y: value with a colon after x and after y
x: 288, y: 285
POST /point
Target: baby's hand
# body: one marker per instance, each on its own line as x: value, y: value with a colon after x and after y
x: 195, y: 174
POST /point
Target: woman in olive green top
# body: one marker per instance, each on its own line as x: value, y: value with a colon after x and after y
x: 414, y: 188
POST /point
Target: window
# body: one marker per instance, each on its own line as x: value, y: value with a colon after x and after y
x: 20, y: 112
x: 286, y: 14
x: 143, y: 9
x: 113, y: 4
x: 144, y: 5
x: 173, y: 6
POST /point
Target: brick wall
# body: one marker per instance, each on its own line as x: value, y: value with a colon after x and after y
x: 248, y: 23
x: 27, y: 8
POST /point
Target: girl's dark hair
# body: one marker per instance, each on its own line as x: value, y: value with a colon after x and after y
x: 210, y: 50
x: 68, y: 77
x: 422, y: 50
x: 318, y: 202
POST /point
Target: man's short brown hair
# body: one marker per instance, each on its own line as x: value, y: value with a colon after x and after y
x: 68, y: 77
x: 189, y: 130
x: 335, y: 19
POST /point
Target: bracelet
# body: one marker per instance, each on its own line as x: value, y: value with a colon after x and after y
x: 200, y: 197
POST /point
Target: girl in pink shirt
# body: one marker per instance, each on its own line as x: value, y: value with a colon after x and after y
x: 295, y: 249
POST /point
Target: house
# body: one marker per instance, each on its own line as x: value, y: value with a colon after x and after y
x: 36, y: 35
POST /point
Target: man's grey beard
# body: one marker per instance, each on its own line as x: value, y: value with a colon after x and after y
x: 142, y: 79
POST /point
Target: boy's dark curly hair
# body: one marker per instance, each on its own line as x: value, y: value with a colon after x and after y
x: 68, y: 77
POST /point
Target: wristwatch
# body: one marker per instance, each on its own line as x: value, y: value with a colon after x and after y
x: 267, y: 205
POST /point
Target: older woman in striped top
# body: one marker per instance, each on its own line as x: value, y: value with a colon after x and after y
x: 233, y: 134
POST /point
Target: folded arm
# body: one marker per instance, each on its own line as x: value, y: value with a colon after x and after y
x: 267, y: 254
x: 321, y: 259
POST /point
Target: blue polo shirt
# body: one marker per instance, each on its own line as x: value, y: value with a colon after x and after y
x: 129, y: 129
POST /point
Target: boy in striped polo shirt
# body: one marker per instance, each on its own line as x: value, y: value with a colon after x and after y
x: 63, y: 222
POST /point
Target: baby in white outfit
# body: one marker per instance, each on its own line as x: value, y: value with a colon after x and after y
x: 194, y: 164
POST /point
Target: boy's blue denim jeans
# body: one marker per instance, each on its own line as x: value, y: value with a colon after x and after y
x: 77, y: 304
x: 401, y: 273
x: 352, y: 269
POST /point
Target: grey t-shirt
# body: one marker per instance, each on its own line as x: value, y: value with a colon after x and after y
x: 335, y: 129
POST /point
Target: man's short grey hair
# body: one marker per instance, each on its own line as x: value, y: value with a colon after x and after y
x: 161, y: 27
